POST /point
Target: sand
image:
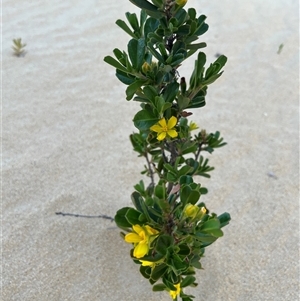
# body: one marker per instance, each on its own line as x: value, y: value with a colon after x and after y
x: 65, y: 128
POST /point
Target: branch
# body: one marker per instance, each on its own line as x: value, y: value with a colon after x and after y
x: 198, y: 152
x: 150, y: 170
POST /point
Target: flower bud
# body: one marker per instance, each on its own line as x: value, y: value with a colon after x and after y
x: 181, y: 3
x: 201, y: 212
x: 146, y: 68
x: 190, y: 210
x: 193, y: 126
x: 194, y: 212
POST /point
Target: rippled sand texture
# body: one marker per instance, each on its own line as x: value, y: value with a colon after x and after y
x: 65, y: 148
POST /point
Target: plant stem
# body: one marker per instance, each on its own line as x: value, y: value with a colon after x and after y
x: 150, y: 170
x: 198, y: 151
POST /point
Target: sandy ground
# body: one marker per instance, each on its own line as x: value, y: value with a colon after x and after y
x: 65, y: 148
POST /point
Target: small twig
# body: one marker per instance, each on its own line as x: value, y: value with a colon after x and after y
x: 150, y: 170
x: 87, y: 216
x: 198, y: 152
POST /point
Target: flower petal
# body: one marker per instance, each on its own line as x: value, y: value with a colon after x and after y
x: 147, y: 263
x: 151, y: 231
x: 172, y: 122
x: 161, y: 136
x: 163, y: 123
x: 156, y: 128
x: 137, y: 228
x: 172, y: 133
x: 140, y: 250
x: 132, y: 238
x: 175, y: 293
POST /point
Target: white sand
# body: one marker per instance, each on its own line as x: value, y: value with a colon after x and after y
x: 65, y: 143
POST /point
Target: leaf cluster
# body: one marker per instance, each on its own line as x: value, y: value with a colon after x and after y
x: 182, y: 242
x: 18, y: 47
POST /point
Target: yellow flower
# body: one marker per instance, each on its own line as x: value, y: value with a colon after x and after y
x: 193, y: 126
x: 141, y: 238
x: 175, y: 293
x: 164, y: 129
x: 194, y: 211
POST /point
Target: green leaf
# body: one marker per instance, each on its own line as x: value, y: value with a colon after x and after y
x: 184, y: 30
x: 120, y: 56
x: 168, y: 284
x: 155, y: 53
x: 172, y: 275
x: 111, y: 61
x: 188, y: 280
x: 140, y: 187
x: 154, y: 258
x: 136, y: 51
x: 202, y: 27
x: 120, y: 218
x: 192, y: 13
x: 150, y: 26
x: 132, y: 19
x: 196, y: 46
x: 170, y: 168
x: 163, y: 243
x: 186, y: 180
x: 177, y: 59
x: 204, y: 168
x: 137, y: 143
x: 163, y: 204
x: 193, y: 197
x: 158, y: 271
x: 125, y: 27
x: 125, y: 78
x: 206, y: 239
x: 171, y: 177
x: 200, y: 65
x: 170, y: 91
x: 184, y: 170
x: 197, y: 102
x: 143, y: 120
x: 203, y: 190
x: 195, y: 262
x: 179, y: 264
x: 184, y: 250
x: 150, y: 9
x: 183, y: 102
x: 160, y: 191
x: 132, y: 88
x: 212, y: 227
x: 212, y: 79
x: 216, y: 232
x: 145, y: 271
x: 132, y: 216
x: 159, y: 287
x: 137, y: 201
x: 150, y: 92
x: 184, y: 194
x: 142, y: 219
x: 224, y: 219
x: 158, y: 3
